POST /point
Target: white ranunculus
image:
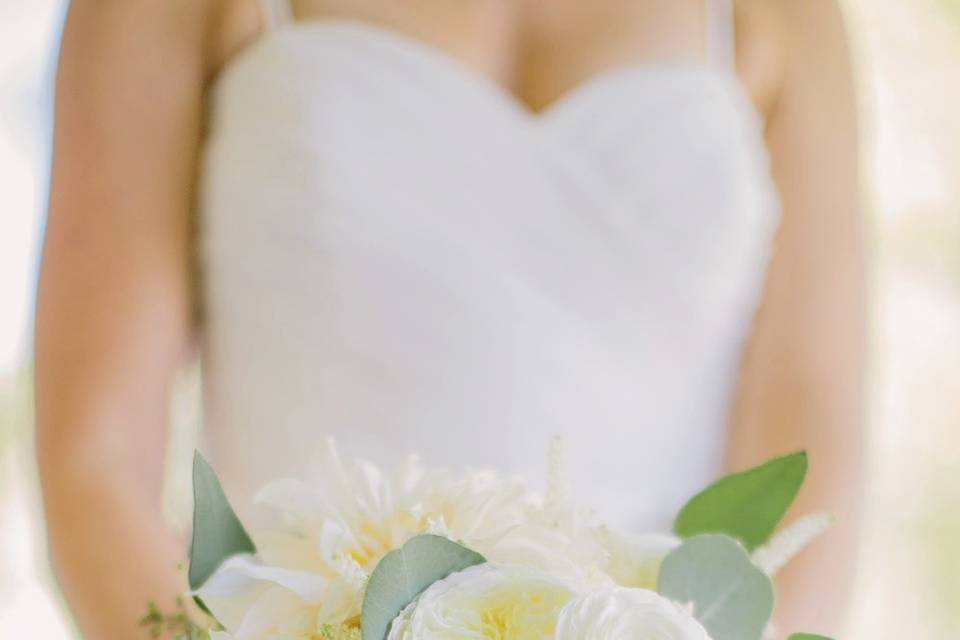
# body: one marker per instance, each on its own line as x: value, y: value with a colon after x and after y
x: 485, y: 602
x: 627, y: 614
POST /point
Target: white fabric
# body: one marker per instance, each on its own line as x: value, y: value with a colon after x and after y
x: 396, y: 253
x: 275, y: 13
x: 721, y: 33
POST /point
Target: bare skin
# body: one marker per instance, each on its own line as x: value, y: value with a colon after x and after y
x: 114, y: 321
x: 801, y: 385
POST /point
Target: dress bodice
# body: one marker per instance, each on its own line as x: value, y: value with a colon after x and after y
x: 397, y: 254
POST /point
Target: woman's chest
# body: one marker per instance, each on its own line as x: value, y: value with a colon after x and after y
x: 343, y: 159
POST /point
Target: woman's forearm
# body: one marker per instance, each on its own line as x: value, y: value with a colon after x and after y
x: 111, y: 550
x: 814, y: 590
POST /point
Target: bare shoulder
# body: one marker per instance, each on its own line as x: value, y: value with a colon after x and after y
x: 810, y: 28
x: 781, y: 39
x: 823, y: 13
x: 192, y: 32
x: 176, y: 22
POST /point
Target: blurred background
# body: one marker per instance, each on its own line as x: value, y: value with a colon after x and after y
x: 908, y: 61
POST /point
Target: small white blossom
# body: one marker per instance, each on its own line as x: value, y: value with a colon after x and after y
x: 785, y: 546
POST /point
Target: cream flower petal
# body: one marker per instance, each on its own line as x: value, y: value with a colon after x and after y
x: 277, y: 614
x: 241, y: 583
x: 634, y: 560
x: 627, y: 614
x: 243, y: 572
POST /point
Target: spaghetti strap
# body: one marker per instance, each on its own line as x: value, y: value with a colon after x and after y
x: 275, y: 13
x: 721, y: 37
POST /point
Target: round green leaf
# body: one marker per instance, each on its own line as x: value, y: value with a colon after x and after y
x: 808, y: 636
x: 404, y: 574
x: 747, y: 506
x: 731, y: 598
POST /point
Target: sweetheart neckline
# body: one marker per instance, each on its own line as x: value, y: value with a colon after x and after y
x: 463, y: 72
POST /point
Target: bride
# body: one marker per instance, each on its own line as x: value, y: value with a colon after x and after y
x: 455, y: 228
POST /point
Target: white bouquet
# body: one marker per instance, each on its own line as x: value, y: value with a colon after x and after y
x: 425, y: 555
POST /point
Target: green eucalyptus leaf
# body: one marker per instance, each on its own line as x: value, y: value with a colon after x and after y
x: 731, y: 598
x: 404, y: 574
x: 747, y: 506
x: 808, y: 636
x: 217, y: 532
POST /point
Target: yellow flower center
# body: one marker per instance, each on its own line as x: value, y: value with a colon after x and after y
x: 377, y: 539
x: 518, y: 613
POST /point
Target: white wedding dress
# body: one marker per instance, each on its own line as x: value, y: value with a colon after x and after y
x: 396, y: 253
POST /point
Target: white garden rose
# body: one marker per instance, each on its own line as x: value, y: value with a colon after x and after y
x: 485, y: 602
x: 627, y: 614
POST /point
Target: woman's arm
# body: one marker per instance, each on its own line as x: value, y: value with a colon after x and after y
x: 802, y: 380
x: 114, y: 301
